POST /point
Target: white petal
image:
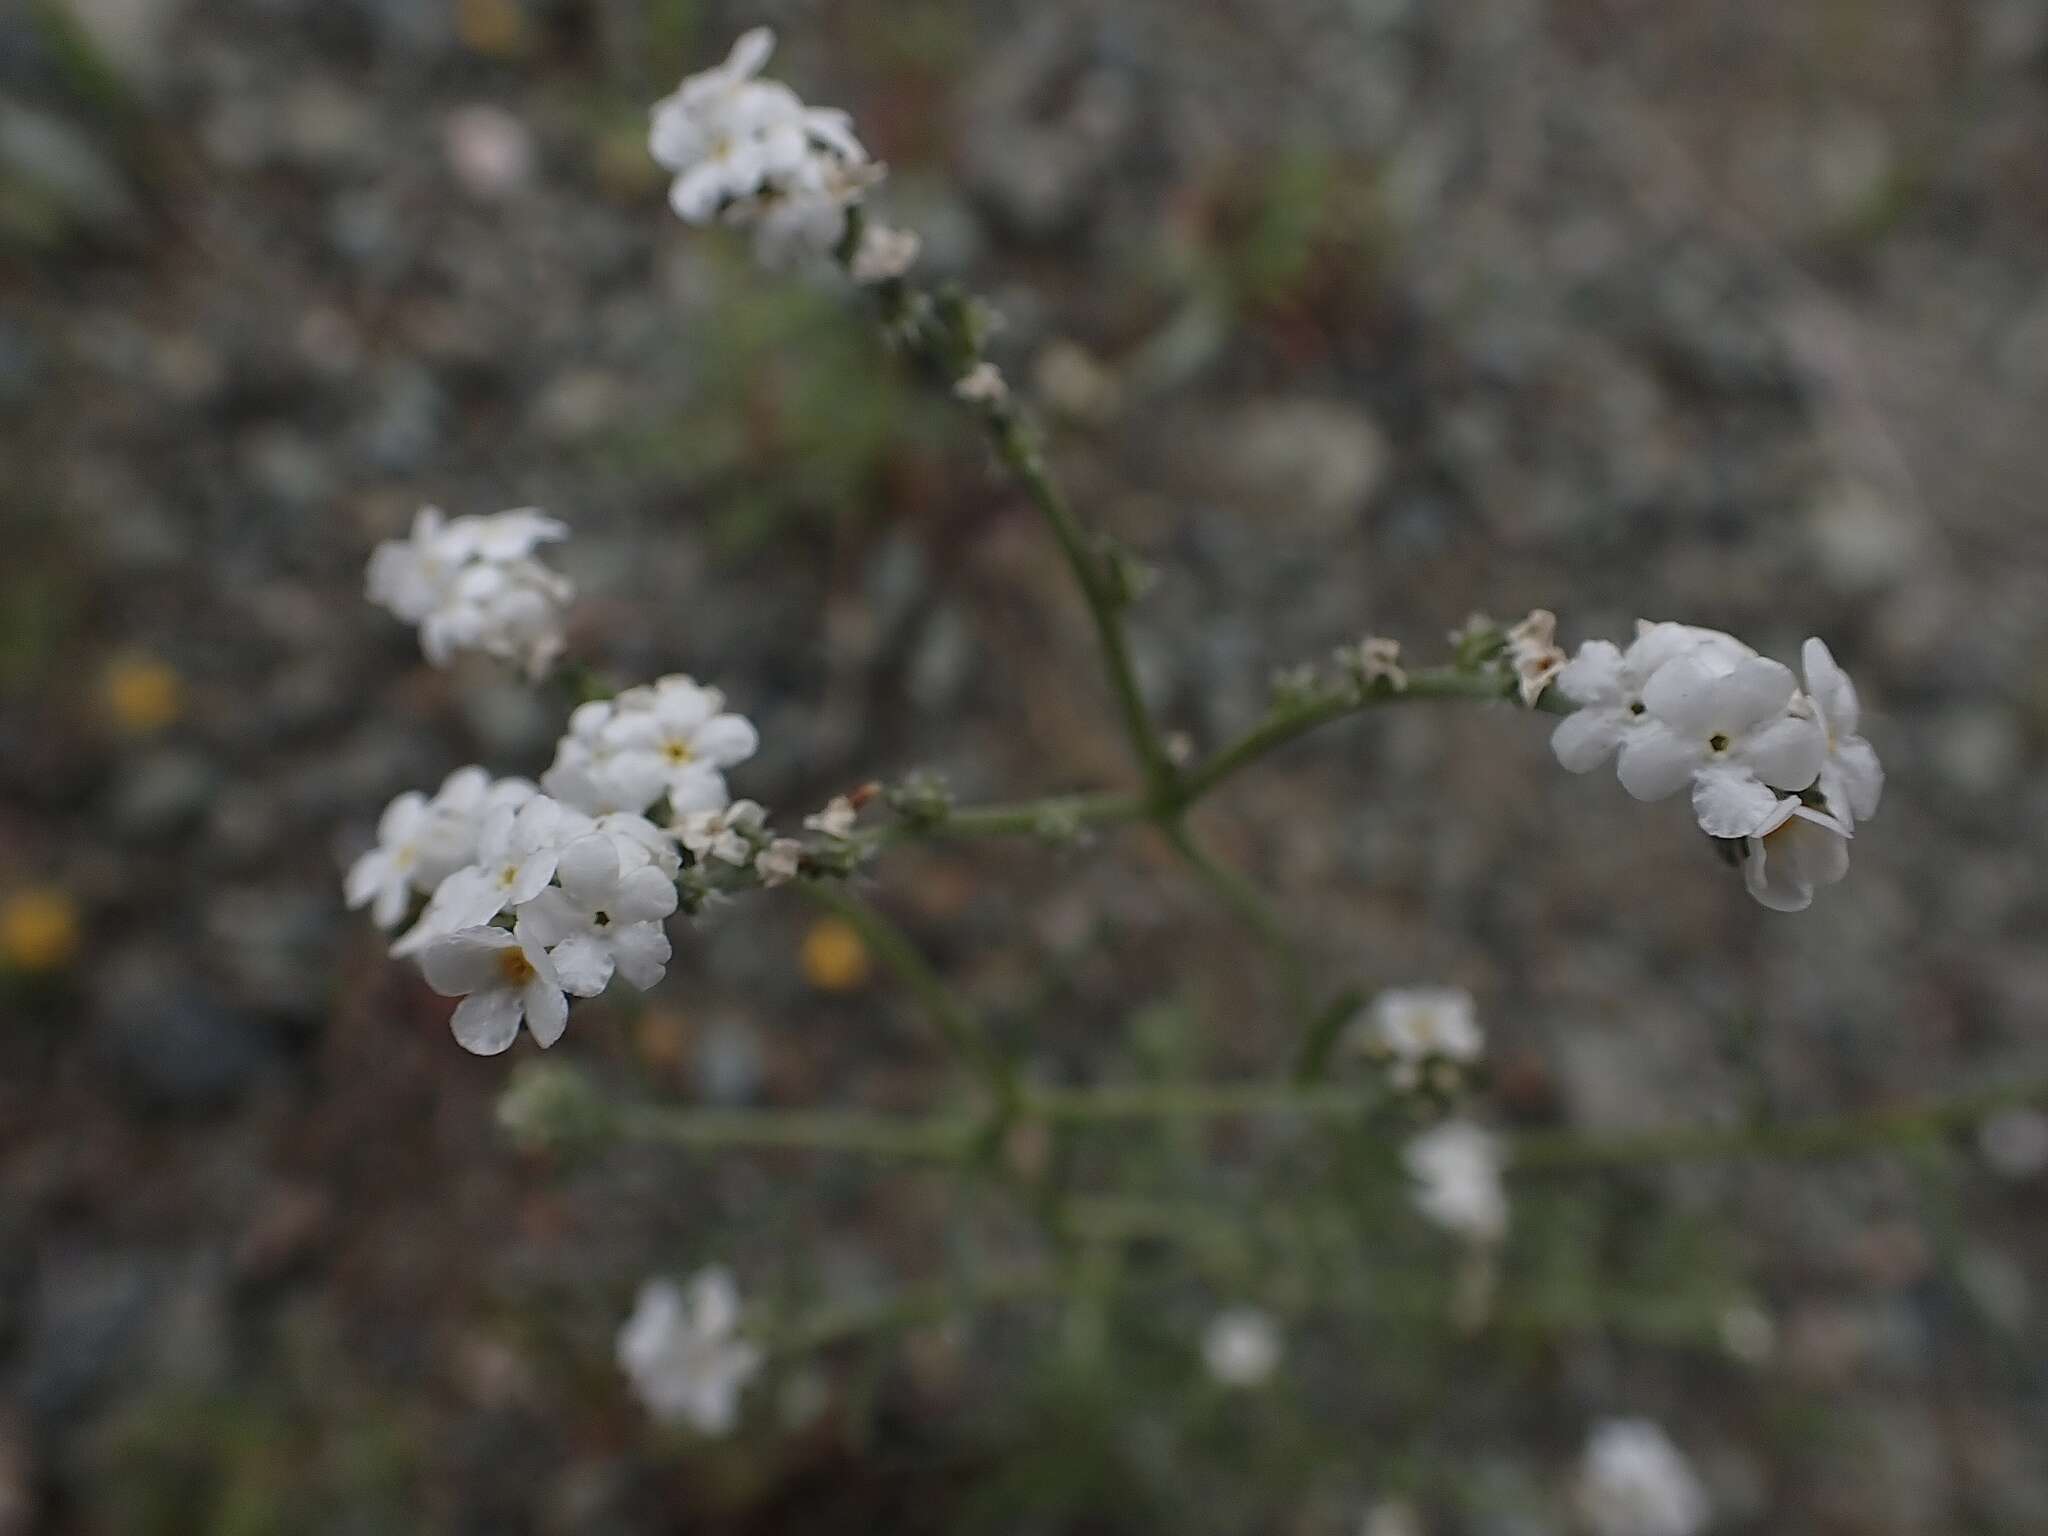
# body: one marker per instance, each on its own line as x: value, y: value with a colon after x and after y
x: 535, y: 871
x: 401, y: 818
x: 1830, y: 687
x: 1860, y: 776
x: 1586, y: 739
x: 1731, y: 803
x: 1757, y: 689
x: 714, y: 1302
x: 645, y: 895
x: 698, y: 788
x: 1594, y: 676
x: 551, y: 917
x: 749, y: 52
x: 547, y: 1011
x: 368, y: 876
x: 589, y: 871
x: 468, y: 960
x: 1787, y: 752
x: 1655, y: 762
x: 725, y: 740
x: 1773, y: 881
x: 583, y: 962
x: 487, y: 1023
x: 641, y: 951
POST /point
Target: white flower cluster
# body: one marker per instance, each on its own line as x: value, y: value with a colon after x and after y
x: 669, y: 743
x: 1777, y: 771
x: 1241, y: 1347
x: 684, y: 1353
x: 1425, y: 1035
x: 1635, y: 1482
x: 473, y: 584
x: 1457, y: 1171
x: 748, y: 152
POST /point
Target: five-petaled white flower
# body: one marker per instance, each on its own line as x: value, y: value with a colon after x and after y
x: 1743, y: 736
x: 1457, y: 1169
x: 1241, y: 1347
x: 516, y: 853
x: 1607, y: 685
x: 683, y: 1351
x: 603, y: 918
x: 422, y: 841
x: 502, y: 976
x: 587, y: 773
x: 680, y: 734
x: 1852, y: 779
x: 1635, y: 1482
x: 1415, y: 1026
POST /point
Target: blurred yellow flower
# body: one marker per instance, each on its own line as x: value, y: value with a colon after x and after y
x: 494, y: 28
x: 834, y: 958
x: 143, y: 694
x: 38, y: 930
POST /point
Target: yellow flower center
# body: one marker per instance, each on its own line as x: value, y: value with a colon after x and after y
x: 678, y: 753
x: 515, y: 967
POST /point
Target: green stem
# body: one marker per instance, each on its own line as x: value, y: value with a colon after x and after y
x: 941, y: 1138
x: 1313, y: 1059
x: 1288, y: 721
x: 1055, y: 816
x: 963, y: 1032
x: 911, y: 1309
x: 1252, y: 909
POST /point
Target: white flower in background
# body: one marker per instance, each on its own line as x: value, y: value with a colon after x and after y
x: 1607, y: 684
x: 421, y: 841
x: 602, y: 918
x: 747, y: 151
x: 1852, y: 779
x: 1415, y: 1026
x: 683, y: 1351
x: 983, y: 384
x: 883, y: 253
x: 1241, y: 1347
x: 502, y: 976
x: 680, y: 734
x: 472, y: 584
x: 1743, y: 738
x: 1635, y: 1482
x: 836, y: 820
x: 1533, y: 653
x: 729, y: 834
x: 780, y: 862
x: 384, y: 878
x: 2015, y: 1142
x: 1803, y: 850
x: 516, y: 853
x: 1457, y: 1169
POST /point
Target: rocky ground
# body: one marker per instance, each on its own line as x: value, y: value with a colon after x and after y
x: 1348, y: 317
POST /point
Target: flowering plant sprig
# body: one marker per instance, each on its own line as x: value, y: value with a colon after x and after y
x: 516, y: 896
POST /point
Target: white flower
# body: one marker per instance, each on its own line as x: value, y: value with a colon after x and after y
x: 679, y: 733
x: 473, y: 584
x: 502, y: 976
x: 983, y: 384
x: 1533, y: 653
x: 729, y: 834
x: 383, y: 878
x: 640, y: 841
x: 1635, y: 1482
x: 883, y: 253
x: 780, y: 862
x: 1457, y: 1169
x: 836, y: 820
x: 748, y: 151
x: 1607, y: 684
x: 1241, y: 1347
x: 587, y: 774
x: 517, y: 850
x: 1415, y: 1026
x: 1737, y: 735
x: 1852, y: 779
x: 603, y: 918
x: 684, y: 1354
x: 1799, y: 851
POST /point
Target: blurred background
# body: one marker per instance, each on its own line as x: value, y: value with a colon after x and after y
x: 1350, y: 315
